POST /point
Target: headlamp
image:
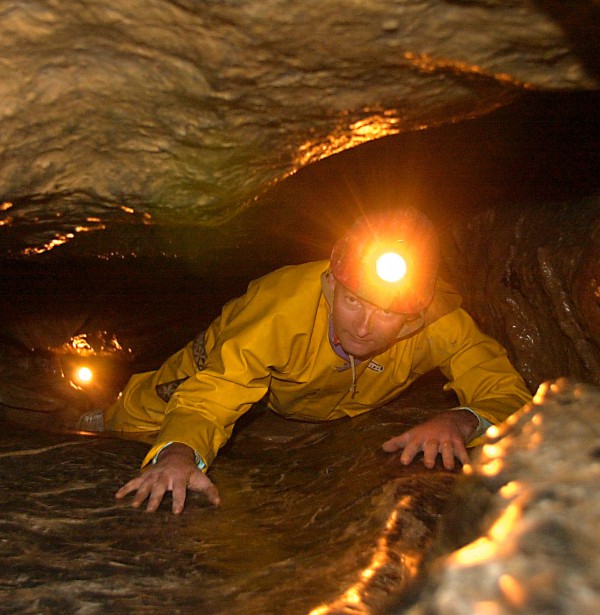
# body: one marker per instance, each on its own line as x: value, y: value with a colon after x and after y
x: 391, y: 267
x: 390, y: 259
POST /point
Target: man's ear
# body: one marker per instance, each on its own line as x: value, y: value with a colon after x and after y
x: 328, y: 283
x: 331, y: 281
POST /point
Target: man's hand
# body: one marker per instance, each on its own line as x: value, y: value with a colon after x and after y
x: 175, y: 471
x: 444, y: 434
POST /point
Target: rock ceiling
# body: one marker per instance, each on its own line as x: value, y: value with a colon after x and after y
x: 159, y: 113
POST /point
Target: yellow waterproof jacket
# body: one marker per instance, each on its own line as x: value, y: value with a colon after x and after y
x: 273, y: 343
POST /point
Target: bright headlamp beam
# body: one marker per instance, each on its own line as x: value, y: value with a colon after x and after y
x: 390, y: 267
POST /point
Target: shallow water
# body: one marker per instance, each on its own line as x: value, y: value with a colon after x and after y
x: 314, y: 516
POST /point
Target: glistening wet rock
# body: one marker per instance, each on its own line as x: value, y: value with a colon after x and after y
x: 314, y: 516
x: 521, y: 532
x: 143, y: 112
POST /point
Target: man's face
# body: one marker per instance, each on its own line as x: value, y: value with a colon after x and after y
x: 363, y: 329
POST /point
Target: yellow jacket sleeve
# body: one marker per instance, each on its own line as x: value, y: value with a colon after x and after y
x: 476, y: 367
x: 253, y: 339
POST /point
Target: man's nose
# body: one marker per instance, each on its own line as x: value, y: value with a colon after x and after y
x: 365, y: 322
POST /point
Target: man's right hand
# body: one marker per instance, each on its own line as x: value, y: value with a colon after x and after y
x: 175, y: 470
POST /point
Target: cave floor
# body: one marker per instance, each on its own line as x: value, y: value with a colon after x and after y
x: 314, y: 517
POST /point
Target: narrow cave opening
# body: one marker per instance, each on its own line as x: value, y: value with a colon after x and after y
x: 515, y: 197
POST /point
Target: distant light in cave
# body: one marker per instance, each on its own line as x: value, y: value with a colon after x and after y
x: 84, y: 375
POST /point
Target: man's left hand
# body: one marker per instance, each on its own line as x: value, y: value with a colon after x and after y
x: 444, y: 434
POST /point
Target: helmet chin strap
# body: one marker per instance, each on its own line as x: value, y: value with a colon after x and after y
x: 334, y: 339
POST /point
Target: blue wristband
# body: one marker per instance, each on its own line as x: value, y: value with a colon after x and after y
x: 483, y: 424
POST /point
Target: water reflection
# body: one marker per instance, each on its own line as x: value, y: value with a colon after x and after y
x: 315, y: 517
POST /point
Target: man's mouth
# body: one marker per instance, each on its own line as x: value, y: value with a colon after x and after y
x: 363, y: 341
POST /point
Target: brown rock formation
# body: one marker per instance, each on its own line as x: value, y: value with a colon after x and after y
x: 156, y: 154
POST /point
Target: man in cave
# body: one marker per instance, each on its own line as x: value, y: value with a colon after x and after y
x: 322, y: 341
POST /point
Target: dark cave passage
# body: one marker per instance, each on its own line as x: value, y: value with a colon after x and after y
x: 515, y: 197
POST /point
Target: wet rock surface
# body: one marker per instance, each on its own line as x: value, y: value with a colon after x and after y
x: 539, y: 293
x: 521, y: 530
x: 124, y: 114
x: 314, y: 516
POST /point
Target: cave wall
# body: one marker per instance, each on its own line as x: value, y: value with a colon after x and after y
x: 531, y: 277
x: 161, y: 111
x: 152, y: 128
x: 136, y: 130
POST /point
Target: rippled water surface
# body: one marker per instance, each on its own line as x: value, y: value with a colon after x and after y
x: 314, y: 516
x: 311, y: 515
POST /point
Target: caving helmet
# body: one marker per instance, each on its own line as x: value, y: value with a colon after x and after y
x: 389, y: 259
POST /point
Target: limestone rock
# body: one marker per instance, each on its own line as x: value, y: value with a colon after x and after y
x: 154, y: 112
x: 530, y: 510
